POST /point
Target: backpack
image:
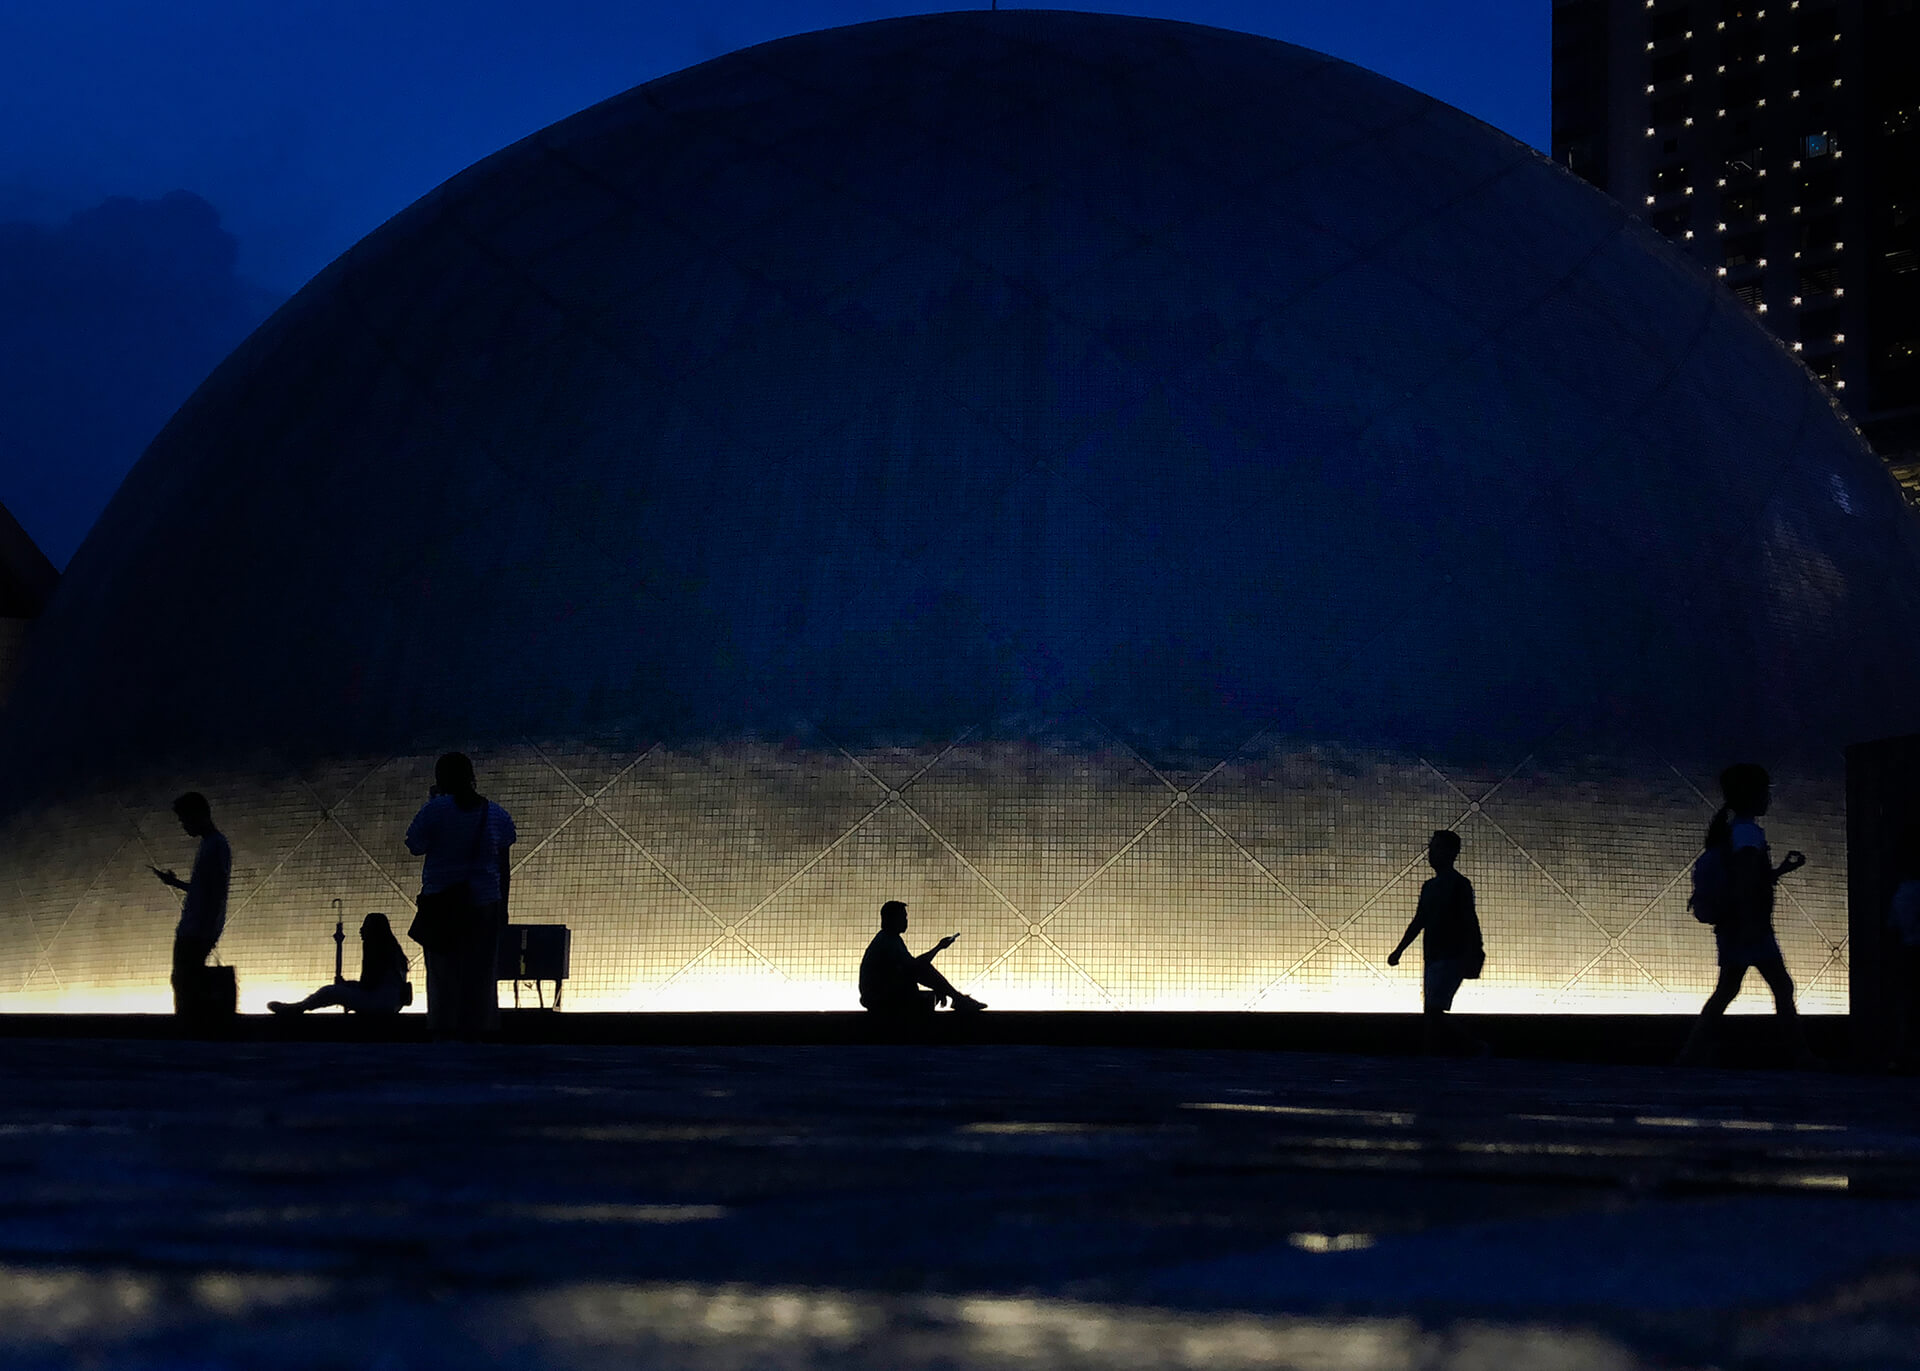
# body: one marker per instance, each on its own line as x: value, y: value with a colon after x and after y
x: 1712, y: 883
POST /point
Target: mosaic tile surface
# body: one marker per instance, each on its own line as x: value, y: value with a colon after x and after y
x: 1116, y: 485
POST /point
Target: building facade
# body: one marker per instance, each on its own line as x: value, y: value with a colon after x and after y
x: 1116, y: 485
x: 1777, y: 143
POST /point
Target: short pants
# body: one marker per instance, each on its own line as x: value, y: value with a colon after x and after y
x: 1745, y: 947
x: 1440, y: 981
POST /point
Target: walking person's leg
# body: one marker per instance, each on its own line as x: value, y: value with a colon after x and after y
x: 1774, y: 971
x: 1440, y: 980
x: 1703, y: 1041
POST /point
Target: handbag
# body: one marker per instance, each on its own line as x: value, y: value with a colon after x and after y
x: 440, y: 916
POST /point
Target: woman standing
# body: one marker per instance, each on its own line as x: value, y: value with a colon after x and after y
x: 463, y: 837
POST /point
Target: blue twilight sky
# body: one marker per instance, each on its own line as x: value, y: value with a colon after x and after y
x: 303, y: 124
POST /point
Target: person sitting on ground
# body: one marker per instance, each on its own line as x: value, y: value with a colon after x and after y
x: 1451, y: 949
x: 382, y: 987
x: 891, y: 977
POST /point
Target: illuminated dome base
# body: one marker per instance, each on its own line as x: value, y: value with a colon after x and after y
x: 1113, y: 484
x: 1078, y: 875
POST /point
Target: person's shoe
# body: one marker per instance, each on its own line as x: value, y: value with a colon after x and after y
x: 1702, y: 1047
x: 281, y: 1007
x: 967, y: 1004
x: 1802, y: 1057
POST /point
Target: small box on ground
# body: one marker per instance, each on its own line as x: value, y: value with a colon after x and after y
x: 537, y: 953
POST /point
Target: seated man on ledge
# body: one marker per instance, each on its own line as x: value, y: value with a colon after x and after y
x: 891, y: 977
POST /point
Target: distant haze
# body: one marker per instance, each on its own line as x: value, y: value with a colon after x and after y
x: 302, y: 125
x: 107, y: 323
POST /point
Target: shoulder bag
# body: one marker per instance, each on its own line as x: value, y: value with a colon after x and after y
x: 439, y: 917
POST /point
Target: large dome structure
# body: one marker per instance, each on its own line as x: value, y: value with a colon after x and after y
x: 1114, y: 484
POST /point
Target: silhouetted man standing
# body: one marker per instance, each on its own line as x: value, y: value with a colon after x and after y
x: 1452, y: 951
x: 891, y: 976
x: 203, y: 914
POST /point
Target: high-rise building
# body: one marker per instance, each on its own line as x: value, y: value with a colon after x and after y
x: 1777, y: 142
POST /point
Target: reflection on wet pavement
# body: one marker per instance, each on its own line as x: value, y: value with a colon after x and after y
x: 311, y: 1205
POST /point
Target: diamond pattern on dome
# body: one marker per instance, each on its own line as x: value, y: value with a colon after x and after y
x: 1119, y: 482
x: 736, y: 828
x: 1038, y: 818
x: 644, y: 940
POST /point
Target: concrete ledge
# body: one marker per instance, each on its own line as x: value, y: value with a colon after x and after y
x: 1642, y: 1038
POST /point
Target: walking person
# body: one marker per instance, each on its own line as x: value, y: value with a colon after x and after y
x: 1733, y: 889
x: 1451, y: 950
x: 462, y: 838
x: 203, y: 913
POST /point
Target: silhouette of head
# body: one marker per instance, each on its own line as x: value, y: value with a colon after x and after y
x: 1747, y: 788
x: 376, y: 934
x: 194, y: 813
x: 453, y: 773
x: 893, y: 917
x: 1443, y: 849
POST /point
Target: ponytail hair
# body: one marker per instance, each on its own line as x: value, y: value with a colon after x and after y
x: 1720, y: 830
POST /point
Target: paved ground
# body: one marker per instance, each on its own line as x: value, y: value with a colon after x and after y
x: 402, y: 1206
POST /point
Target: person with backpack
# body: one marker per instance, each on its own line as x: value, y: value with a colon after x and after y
x: 1733, y: 890
x: 1451, y: 950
